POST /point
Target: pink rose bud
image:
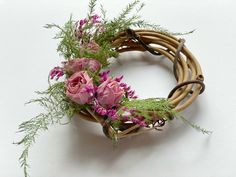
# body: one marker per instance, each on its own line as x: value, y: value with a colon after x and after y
x: 109, y: 93
x: 93, y: 47
x: 80, y: 64
x: 77, y: 87
x: 93, y: 65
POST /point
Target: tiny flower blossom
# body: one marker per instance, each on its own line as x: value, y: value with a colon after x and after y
x: 135, y: 120
x: 139, y: 121
x: 130, y: 93
x: 142, y: 124
x: 94, y: 24
x: 82, y: 23
x: 104, y: 75
x: 112, y: 113
x: 118, y: 79
x: 56, y: 72
x: 125, y: 86
x: 100, y: 110
x: 95, y: 19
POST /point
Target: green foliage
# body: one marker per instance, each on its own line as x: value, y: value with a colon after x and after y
x: 195, y: 126
x: 152, y: 104
x: 146, y: 25
x: 148, y: 108
x: 92, y: 5
x: 69, y: 46
x: 120, y: 23
x: 57, y: 106
x: 161, y: 108
x: 103, y: 13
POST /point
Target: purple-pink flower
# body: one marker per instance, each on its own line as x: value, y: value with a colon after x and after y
x: 56, y: 72
x: 94, y: 23
x: 81, y: 64
x: 109, y: 93
x: 111, y: 113
x: 82, y: 23
x: 95, y: 19
x: 100, y: 110
x: 104, y: 75
x: 79, y: 87
x: 139, y: 120
x: 130, y: 93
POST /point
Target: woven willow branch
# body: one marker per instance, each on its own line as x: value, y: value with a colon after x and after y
x: 186, y: 69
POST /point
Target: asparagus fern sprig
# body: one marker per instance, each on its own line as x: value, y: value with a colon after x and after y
x: 193, y: 125
x: 162, y: 108
x: 57, y: 107
x: 70, y: 46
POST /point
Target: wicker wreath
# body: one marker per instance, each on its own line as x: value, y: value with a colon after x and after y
x: 186, y: 69
x: 82, y: 85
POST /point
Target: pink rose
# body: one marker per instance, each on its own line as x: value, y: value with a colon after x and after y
x: 79, y: 87
x: 109, y: 93
x: 80, y: 64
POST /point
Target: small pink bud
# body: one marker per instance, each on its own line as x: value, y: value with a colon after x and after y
x: 142, y: 124
x: 135, y: 120
x: 123, y: 84
x: 118, y: 79
x: 56, y: 72
x: 82, y: 22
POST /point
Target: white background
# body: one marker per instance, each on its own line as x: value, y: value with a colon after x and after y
x: 27, y: 53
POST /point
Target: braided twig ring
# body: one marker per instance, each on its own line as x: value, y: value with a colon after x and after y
x: 186, y: 69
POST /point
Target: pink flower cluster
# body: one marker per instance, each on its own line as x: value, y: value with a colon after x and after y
x: 104, y: 93
x: 133, y: 116
x: 80, y: 64
x: 75, y: 65
x: 127, y: 89
x: 88, y: 27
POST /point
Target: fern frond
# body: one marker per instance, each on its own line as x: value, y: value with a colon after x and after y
x: 193, y: 125
x: 56, y: 108
x: 127, y: 10
x: 104, y: 13
x: 155, y: 27
x: 68, y: 46
x: 92, y: 5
